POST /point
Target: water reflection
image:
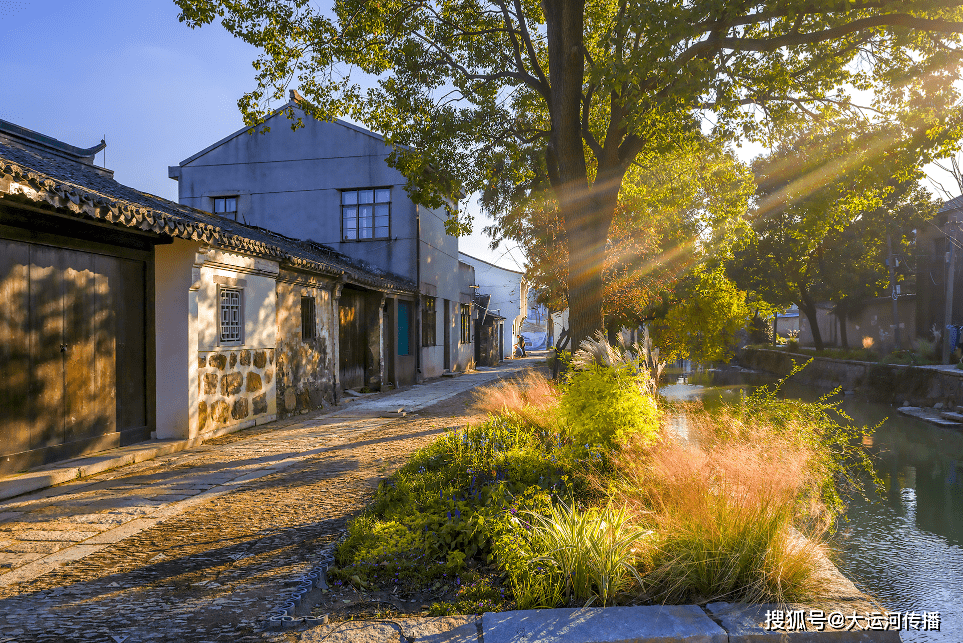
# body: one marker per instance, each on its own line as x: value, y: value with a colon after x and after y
x: 904, y: 546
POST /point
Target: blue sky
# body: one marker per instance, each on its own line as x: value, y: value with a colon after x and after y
x: 79, y: 71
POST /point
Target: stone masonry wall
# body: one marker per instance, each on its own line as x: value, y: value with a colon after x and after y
x: 305, y: 367
x: 888, y: 383
x: 235, y: 386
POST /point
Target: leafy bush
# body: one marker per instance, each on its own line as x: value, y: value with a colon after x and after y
x: 604, y: 405
x: 443, y: 504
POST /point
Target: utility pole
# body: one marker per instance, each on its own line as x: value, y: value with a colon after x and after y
x: 894, y: 288
x: 951, y: 225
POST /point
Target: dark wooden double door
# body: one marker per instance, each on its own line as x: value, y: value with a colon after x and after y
x: 72, y: 353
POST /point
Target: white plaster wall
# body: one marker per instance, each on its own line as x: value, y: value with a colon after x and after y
x: 175, y: 346
x: 509, y: 294
x: 259, y: 305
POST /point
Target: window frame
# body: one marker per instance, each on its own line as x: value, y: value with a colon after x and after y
x: 429, y: 322
x: 221, y: 339
x: 226, y: 213
x: 465, y: 312
x: 309, y: 318
x: 376, y: 194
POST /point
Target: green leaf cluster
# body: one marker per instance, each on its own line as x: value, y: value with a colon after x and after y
x: 606, y: 406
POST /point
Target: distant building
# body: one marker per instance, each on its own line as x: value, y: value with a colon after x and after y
x: 508, y: 292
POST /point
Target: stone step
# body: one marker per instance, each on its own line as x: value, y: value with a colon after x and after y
x: 952, y: 415
x: 639, y: 624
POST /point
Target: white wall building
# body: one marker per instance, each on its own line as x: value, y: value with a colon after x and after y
x: 509, y: 296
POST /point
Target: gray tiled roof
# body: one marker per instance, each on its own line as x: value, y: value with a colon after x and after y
x: 85, y: 191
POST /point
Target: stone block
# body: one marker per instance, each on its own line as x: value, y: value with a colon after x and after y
x: 220, y: 411
x: 217, y: 360
x: 304, y: 400
x: 260, y: 359
x: 231, y: 383
x: 290, y: 400
x: 436, y: 629
x: 240, y: 409
x: 253, y: 382
x: 201, y: 362
x: 268, y: 375
x: 682, y: 623
x: 210, y: 383
x: 233, y: 360
x: 245, y: 358
x: 746, y: 624
x: 260, y: 404
x: 201, y: 415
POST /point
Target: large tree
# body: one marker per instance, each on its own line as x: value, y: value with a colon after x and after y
x: 831, y: 198
x: 575, y: 91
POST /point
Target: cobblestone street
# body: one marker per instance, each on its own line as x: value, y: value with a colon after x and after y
x: 197, y: 546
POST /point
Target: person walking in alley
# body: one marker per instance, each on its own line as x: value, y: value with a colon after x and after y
x: 520, y: 347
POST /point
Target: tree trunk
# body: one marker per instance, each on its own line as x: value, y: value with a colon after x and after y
x: 808, y: 306
x: 586, y: 210
x: 841, y: 316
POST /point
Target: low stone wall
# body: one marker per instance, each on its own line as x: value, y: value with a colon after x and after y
x: 235, y: 388
x: 887, y: 383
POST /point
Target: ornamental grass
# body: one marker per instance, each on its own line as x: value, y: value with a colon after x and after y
x: 736, y: 512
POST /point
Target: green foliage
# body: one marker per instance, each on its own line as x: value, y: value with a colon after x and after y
x: 841, y: 465
x: 605, y: 406
x: 591, y: 552
x: 444, y: 504
x: 702, y: 323
x: 833, y: 196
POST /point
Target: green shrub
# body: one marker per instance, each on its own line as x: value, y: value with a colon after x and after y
x: 437, y: 514
x: 555, y: 553
x: 603, y: 405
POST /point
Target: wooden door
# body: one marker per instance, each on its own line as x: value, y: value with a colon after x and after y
x: 353, y: 339
x: 70, y: 321
x: 16, y: 385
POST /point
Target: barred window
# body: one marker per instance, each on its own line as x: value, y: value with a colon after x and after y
x: 230, y: 316
x: 309, y: 322
x: 428, y: 322
x: 465, y: 324
x: 366, y: 214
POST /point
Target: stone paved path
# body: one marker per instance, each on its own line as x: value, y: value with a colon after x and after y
x: 196, y: 546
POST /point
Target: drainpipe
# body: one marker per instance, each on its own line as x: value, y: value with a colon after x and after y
x: 417, y: 342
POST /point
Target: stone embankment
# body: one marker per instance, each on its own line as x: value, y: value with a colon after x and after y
x: 940, y: 387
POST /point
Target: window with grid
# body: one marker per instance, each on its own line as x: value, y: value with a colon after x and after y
x: 226, y: 206
x: 230, y: 316
x: 365, y: 214
x: 309, y: 324
x: 428, y: 321
x: 465, y: 324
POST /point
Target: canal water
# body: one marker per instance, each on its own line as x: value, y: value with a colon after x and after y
x: 905, y: 544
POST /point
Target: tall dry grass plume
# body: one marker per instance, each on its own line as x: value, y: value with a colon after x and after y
x: 533, y: 397
x: 736, y: 511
